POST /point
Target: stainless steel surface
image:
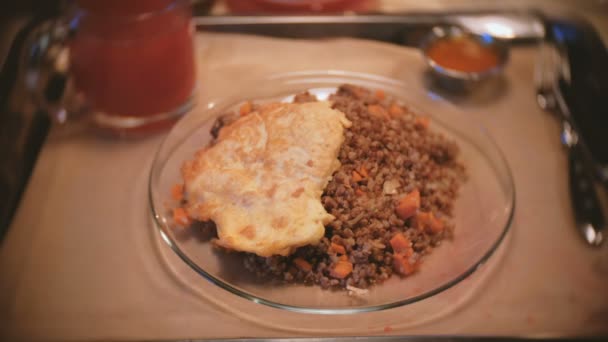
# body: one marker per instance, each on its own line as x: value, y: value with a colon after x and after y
x: 594, y: 11
x: 408, y: 29
x: 522, y: 24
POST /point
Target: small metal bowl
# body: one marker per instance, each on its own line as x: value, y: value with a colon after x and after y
x: 457, y: 79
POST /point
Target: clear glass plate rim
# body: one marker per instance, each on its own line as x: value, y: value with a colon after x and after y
x: 306, y: 75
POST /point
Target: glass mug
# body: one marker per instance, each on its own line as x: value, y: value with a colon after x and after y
x: 127, y: 65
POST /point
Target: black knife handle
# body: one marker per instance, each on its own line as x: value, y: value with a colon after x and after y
x: 590, y: 219
x: 584, y: 87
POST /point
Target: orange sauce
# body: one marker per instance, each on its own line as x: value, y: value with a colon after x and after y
x: 463, y: 54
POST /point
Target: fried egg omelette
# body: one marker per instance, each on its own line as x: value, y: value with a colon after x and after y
x: 261, y: 181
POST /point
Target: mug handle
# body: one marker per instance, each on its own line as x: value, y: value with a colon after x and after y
x: 46, y: 76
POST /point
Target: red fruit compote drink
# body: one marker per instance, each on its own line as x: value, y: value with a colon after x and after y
x: 134, y: 62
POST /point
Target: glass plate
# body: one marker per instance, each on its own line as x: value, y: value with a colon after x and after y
x: 483, y: 210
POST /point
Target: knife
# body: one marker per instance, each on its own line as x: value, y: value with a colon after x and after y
x: 570, y: 80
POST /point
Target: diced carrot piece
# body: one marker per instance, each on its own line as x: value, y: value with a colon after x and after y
x: 359, y: 192
x: 378, y: 111
x: 380, y: 94
x: 400, y: 243
x: 303, y: 264
x: 395, y: 110
x: 422, y: 220
x: 363, y: 172
x: 402, y: 265
x: 177, y: 192
x: 181, y: 217
x: 436, y: 225
x: 343, y: 257
x: 356, y: 176
x: 341, y: 269
x: 422, y: 122
x: 336, y: 248
x: 246, y: 108
x: 408, y: 205
x: 427, y: 221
